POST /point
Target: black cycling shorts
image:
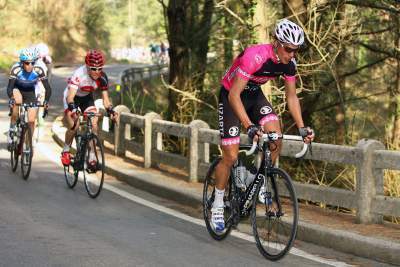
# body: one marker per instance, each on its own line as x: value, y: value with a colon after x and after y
x: 257, y: 108
x: 83, y: 102
x: 28, y: 96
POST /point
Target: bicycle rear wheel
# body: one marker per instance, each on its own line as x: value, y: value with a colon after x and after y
x: 275, y: 221
x: 93, y: 174
x: 27, y: 152
x: 208, y: 199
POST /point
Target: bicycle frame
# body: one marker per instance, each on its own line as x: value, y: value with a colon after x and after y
x: 266, y: 162
x: 245, y: 203
x: 86, y: 134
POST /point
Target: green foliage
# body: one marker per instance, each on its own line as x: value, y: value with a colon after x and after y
x: 93, y: 19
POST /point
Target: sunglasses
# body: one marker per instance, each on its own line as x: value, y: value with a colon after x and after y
x: 28, y: 62
x: 289, y: 49
x: 96, y: 69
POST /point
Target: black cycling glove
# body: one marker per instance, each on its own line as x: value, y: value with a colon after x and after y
x: 305, y: 131
x: 110, y: 111
x: 252, y: 131
x: 72, y: 107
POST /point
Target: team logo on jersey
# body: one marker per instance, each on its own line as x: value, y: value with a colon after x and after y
x: 233, y: 131
x: 265, y: 110
x: 258, y: 59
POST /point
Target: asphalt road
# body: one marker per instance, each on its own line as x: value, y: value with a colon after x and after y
x: 44, y: 223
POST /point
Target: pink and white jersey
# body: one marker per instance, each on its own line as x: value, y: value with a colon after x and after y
x: 81, y: 81
x: 257, y: 64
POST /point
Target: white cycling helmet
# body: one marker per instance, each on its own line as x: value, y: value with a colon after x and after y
x: 42, y: 50
x: 289, y: 32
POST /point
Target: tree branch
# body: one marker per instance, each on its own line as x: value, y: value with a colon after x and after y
x: 358, y: 69
x: 372, y: 4
x: 350, y: 100
x: 373, y: 32
x: 392, y: 53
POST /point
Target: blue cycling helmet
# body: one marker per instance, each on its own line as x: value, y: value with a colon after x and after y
x: 28, y: 54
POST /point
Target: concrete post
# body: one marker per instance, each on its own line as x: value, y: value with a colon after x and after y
x: 148, y: 137
x: 196, y: 150
x: 369, y: 182
x: 119, y: 132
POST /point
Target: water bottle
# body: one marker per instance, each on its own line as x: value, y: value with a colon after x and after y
x: 251, y: 174
x: 240, y: 175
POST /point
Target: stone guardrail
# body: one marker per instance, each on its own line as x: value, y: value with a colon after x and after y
x: 369, y: 158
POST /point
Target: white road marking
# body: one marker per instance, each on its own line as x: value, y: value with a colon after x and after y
x: 295, y: 251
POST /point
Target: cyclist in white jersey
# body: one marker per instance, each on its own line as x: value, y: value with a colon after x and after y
x: 79, y: 94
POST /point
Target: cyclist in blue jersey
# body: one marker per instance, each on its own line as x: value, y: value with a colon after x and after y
x: 24, y: 76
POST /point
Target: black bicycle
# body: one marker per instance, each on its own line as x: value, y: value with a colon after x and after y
x: 21, y: 140
x: 267, y: 195
x: 89, y: 149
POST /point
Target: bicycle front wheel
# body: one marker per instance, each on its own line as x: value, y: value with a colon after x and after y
x: 14, y: 156
x: 71, y: 176
x: 274, y: 215
x: 93, y: 171
x: 27, y: 152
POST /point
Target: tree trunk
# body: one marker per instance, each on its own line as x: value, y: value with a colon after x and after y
x: 340, y: 117
x: 201, y: 32
x: 178, y: 52
x: 298, y: 7
x: 395, y: 93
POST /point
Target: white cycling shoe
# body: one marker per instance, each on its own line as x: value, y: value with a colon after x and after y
x: 217, y: 219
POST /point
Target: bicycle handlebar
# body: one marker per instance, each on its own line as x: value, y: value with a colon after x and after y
x: 29, y: 105
x: 284, y: 137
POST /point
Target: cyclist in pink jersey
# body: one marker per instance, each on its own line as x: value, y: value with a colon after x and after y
x: 241, y: 101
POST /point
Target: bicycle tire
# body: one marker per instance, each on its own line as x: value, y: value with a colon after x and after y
x: 282, y: 192
x: 26, y: 152
x: 94, y: 183
x: 14, y: 155
x: 208, y: 199
x: 71, y: 178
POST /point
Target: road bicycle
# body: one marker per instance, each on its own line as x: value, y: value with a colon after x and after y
x: 21, y: 140
x: 88, y: 148
x: 266, y: 195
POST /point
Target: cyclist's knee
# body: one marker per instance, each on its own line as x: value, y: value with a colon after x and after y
x: 229, y: 159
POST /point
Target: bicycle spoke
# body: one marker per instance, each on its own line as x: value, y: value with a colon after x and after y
x: 93, y: 170
x: 26, y: 153
x: 275, y: 221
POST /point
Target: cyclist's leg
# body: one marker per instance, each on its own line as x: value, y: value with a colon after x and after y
x: 265, y: 116
x: 14, y: 116
x: 69, y: 123
x: 30, y: 97
x: 230, y: 138
x: 89, y: 106
x: 263, y: 113
x: 18, y: 100
x: 40, y: 92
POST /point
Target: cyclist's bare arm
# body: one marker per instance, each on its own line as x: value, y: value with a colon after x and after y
x: 106, y: 99
x: 236, y: 103
x: 293, y: 103
x: 71, y: 94
x: 294, y: 106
